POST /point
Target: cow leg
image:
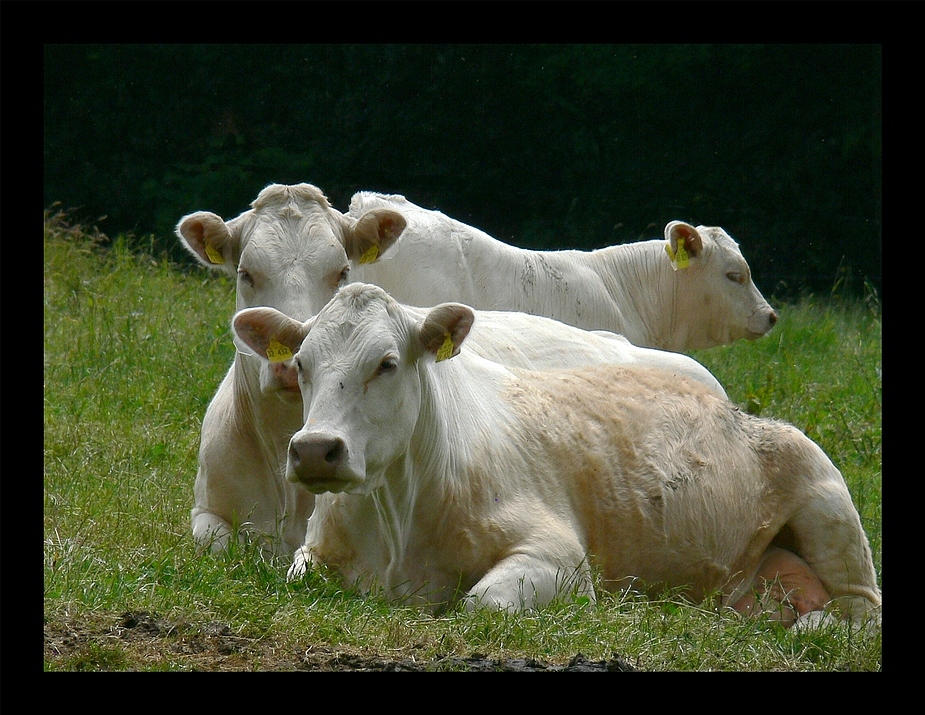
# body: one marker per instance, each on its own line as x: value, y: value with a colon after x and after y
x: 828, y: 535
x: 210, y: 530
x: 524, y: 581
x: 784, y: 588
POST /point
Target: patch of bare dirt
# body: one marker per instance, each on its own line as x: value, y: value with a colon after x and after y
x: 142, y: 641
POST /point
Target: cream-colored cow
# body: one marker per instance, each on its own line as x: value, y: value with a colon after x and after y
x: 441, y: 479
x: 691, y: 290
x: 290, y: 251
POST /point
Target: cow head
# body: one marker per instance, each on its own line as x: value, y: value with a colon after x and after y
x: 357, y: 362
x: 717, y: 301
x: 290, y: 251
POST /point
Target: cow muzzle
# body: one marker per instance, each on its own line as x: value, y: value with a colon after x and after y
x: 319, y: 462
x: 280, y: 378
x: 761, y: 322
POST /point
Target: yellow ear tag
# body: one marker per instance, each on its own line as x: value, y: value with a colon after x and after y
x: 681, y: 254
x: 679, y: 259
x: 214, y: 255
x: 372, y: 253
x: 277, y: 352
x: 446, y: 350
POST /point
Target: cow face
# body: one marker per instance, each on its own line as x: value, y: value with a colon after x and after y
x: 291, y: 251
x: 358, y: 363
x: 718, y: 301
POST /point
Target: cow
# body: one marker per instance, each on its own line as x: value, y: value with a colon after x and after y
x: 291, y: 250
x: 442, y: 477
x: 275, y: 251
x: 691, y: 291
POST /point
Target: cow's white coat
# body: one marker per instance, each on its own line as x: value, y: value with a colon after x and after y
x: 633, y: 289
x: 461, y: 478
x: 291, y: 251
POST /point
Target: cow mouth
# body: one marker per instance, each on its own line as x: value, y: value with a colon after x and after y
x: 755, y: 334
x: 288, y: 395
x: 320, y: 486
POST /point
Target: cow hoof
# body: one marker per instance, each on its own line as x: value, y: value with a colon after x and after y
x: 814, y: 620
x: 298, y: 568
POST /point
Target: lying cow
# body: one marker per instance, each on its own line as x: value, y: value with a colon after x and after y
x: 693, y: 290
x: 444, y: 479
x: 275, y: 250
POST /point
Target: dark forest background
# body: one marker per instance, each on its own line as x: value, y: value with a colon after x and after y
x: 542, y: 146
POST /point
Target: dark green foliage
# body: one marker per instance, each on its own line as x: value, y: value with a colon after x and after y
x: 545, y: 146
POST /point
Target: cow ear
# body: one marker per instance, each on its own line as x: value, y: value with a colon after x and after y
x: 692, y: 243
x: 373, y: 234
x: 210, y: 240
x: 444, y: 328
x: 272, y: 335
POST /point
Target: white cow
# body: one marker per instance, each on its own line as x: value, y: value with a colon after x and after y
x: 693, y: 290
x: 439, y: 480
x: 275, y: 251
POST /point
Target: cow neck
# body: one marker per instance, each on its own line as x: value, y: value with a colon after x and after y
x: 661, y: 314
x: 419, y: 478
x: 395, y: 504
x: 253, y: 409
x: 672, y: 326
x: 641, y: 284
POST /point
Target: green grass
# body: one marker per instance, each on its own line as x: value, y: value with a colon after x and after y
x: 134, y: 350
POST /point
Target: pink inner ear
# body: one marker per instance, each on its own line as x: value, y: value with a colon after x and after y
x: 391, y: 227
x: 194, y: 231
x: 692, y: 243
x: 460, y: 328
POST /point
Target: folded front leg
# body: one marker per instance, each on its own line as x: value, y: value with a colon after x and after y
x: 210, y: 530
x: 523, y: 581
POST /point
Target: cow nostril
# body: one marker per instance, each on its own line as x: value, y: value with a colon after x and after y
x: 773, y: 319
x: 336, y: 453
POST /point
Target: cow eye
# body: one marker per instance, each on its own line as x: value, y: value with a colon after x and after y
x: 246, y: 277
x: 343, y: 276
x: 735, y: 277
x: 303, y: 375
x: 386, y: 366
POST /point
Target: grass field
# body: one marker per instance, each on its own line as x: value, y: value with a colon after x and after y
x: 134, y: 349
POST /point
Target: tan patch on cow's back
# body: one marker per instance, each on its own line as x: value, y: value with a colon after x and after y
x: 655, y: 494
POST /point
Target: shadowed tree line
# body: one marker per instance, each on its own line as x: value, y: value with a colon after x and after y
x: 543, y: 146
